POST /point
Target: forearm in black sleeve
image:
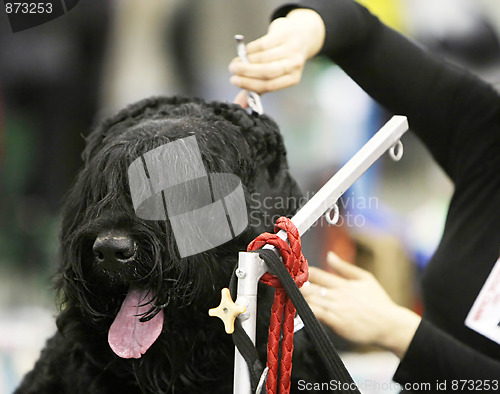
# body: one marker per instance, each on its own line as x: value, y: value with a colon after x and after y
x: 443, y: 103
x: 434, y: 355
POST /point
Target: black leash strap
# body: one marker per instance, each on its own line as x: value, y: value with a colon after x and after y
x: 244, y: 344
x: 323, y: 344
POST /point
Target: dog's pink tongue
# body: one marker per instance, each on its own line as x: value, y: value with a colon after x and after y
x: 128, y: 337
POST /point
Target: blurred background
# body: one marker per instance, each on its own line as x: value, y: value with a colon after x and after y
x: 58, y: 79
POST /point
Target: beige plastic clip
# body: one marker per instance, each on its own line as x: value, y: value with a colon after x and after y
x: 227, y: 310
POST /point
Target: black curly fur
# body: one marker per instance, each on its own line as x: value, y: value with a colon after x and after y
x: 193, y: 354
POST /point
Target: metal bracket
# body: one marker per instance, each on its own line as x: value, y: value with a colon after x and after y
x: 250, y: 269
x: 253, y: 267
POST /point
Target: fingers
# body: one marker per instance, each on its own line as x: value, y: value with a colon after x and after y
x: 345, y: 269
x: 273, y: 38
x: 266, y: 77
x: 326, y: 297
x: 241, y: 99
x: 343, y: 272
x: 325, y: 315
x: 271, y: 47
x: 278, y: 58
x: 313, y: 290
x: 322, y: 278
x: 265, y: 71
x: 262, y: 86
x: 264, y: 58
x: 266, y: 54
x: 274, y: 63
x: 271, y: 55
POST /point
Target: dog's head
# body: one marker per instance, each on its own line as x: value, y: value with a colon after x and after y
x: 113, y: 259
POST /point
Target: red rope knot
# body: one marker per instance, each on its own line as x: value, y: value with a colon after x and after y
x: 283, y: 311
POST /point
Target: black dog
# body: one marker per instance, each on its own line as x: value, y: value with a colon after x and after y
x: 110, y: 258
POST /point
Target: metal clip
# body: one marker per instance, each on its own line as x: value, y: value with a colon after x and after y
x: 262, y: 380
x: 396, y: 151
x: 336, y: 214
x: 253, y: 98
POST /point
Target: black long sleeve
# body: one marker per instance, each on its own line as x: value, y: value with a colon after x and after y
x: 444, y: 103
x: 457, y: 116
x: 435, y: 355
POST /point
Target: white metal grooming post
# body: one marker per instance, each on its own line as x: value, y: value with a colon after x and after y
x: 251, y: 267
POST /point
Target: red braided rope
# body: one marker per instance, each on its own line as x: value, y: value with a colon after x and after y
x: 283, y: 311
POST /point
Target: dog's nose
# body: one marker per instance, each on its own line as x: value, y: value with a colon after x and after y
x: 113, y: 249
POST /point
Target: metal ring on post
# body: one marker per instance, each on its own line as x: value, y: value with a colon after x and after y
x: 336, y: 214
x: 396, y: 151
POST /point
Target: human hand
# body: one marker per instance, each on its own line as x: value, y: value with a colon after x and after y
x: 357, y: 308
x: 241, y: 99
x: 278, y: 58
